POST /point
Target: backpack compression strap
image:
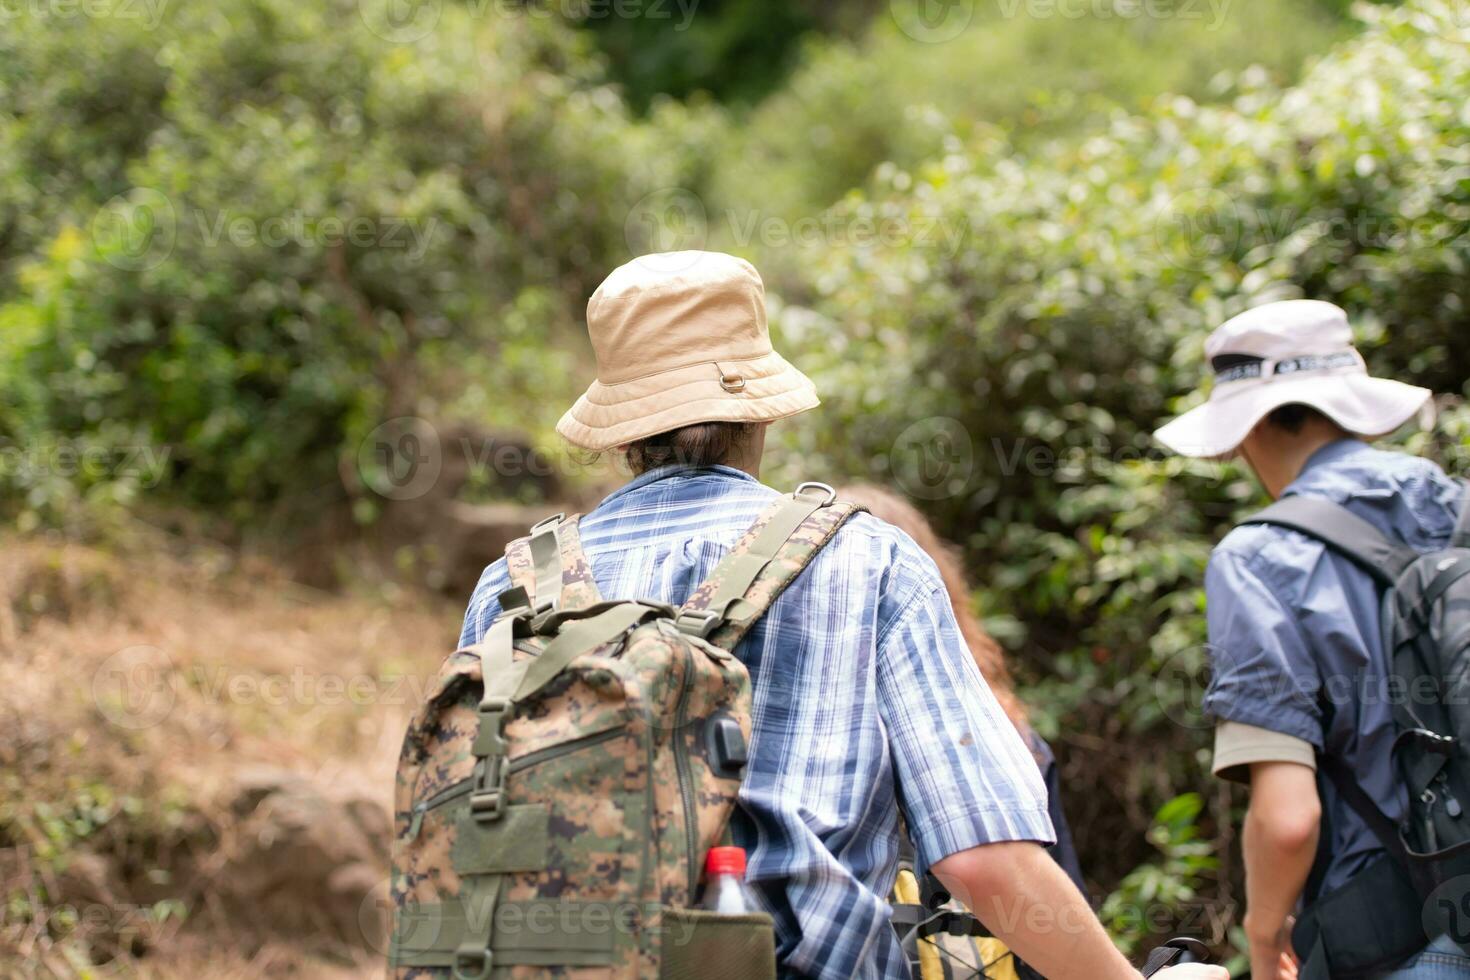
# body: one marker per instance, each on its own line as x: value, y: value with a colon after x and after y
x: 1344, y: 532
x: 551, y: 566
x: 770, y: 556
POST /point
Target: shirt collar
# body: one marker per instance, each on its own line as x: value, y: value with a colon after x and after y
x: 1329, y: 455
x: 673, y: 470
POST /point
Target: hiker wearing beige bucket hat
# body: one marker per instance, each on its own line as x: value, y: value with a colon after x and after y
x: 863, y: 697
x: 681, y: 341
x: 1299, y: 603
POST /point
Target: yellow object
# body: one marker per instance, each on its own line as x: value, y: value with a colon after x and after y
x: 994, y: 951
x: 962, y: 951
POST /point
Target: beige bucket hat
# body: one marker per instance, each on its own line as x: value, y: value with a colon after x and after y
x: 681, y: 338
x: 1288, y: 353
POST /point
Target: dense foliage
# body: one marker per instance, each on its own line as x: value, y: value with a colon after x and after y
x: 261, y: 228
x: 735, y: 50
x: 907, y: 87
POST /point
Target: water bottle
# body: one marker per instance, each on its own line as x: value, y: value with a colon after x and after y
x: 725, y: 890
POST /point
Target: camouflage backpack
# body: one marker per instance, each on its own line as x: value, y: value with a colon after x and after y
x: 560, y: 786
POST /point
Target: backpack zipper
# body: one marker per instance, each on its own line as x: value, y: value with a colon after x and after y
x: 526, y: 761
x: 681, y: 763
x: 461, y: 788
x: 564, y: 748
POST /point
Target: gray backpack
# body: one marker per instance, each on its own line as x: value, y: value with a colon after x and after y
x: 1395, y: 907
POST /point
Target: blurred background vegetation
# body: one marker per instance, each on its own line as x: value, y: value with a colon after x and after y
x: 237, y: 239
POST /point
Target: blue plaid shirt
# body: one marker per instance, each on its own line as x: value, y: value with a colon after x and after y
x: 867, y: 701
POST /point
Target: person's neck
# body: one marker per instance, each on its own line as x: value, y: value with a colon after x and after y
x: 751, y: 466
x: 1279, y: 462
x: 747, y: 458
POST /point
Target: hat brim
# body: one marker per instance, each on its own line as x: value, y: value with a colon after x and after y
x: 612, y: 415
x: 1362, y: 405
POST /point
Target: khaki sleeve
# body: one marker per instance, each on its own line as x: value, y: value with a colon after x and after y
x: 1238, y: 745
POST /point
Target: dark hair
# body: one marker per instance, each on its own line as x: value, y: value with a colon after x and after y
x: 704, y: 444
x: 1293, y: 418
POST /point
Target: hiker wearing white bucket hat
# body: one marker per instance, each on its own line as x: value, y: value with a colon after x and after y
x: 1295, y: 352
x: 1301, y: 675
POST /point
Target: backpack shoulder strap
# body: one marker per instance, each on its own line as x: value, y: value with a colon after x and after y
x: 1462, y: 526
x: 551, y: 567
x: 1344, y: 532
x: 770, y: 556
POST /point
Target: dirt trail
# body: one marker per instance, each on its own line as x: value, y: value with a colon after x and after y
x: 196, y: 761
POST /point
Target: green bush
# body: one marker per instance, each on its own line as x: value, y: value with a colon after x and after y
x: 1032, y: 69
x: 287, y: 228
x: 1011, y: 383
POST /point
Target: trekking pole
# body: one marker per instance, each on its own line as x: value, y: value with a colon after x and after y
x: 1175, y: 952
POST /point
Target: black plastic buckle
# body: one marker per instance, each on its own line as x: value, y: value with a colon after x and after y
x: 950, y: 923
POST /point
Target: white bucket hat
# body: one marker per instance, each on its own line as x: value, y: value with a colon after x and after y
x: 1293, y: 352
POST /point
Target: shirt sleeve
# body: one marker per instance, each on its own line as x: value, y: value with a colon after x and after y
x: 484, y: 604
x: 965, y: 777
x: 1239, y: 746
x: 1264, y: 673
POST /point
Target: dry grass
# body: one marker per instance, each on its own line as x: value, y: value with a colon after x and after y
x: 135, y: 689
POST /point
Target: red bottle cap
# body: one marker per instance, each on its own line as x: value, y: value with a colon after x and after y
x: 725, y: 861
